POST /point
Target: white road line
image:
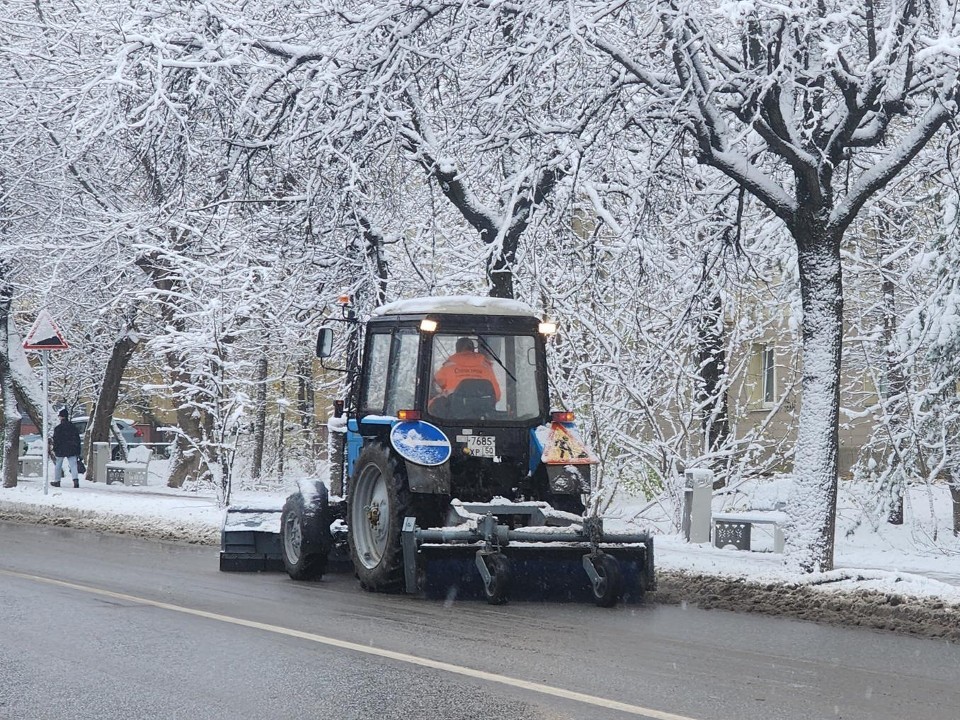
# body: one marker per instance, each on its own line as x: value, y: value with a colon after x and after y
x: 378, y: 652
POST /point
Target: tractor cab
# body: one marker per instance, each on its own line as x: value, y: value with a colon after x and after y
x: 474, y: 368
x: 481, y: 361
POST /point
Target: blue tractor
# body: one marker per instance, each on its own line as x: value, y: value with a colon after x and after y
x: 446, y: 450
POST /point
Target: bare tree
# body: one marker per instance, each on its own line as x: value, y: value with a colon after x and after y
x: 812, y: 112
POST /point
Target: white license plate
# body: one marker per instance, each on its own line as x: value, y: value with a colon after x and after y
x: 482, y: 445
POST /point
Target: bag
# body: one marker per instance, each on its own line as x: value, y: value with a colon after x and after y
x: 81, y: 468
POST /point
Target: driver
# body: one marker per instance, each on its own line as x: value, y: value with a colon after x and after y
x: 465, y: 364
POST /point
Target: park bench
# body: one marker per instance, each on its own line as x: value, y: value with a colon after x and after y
x: 134, y: 470
x: 30, y: 465
x: 734, y: 529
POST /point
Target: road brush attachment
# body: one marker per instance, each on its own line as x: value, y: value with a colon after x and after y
x: 250, y: 539
x: 526, y: 551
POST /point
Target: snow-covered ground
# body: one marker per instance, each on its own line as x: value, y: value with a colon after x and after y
x: 917, y: 562
x: 919, y: 558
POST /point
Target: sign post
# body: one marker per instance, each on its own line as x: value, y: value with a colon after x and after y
x: 45, y: 336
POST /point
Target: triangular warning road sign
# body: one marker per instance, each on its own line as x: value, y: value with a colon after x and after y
x: 45, y: 334
x: 564, y: 447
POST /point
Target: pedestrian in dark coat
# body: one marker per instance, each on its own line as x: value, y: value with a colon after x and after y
x: 66, y: 446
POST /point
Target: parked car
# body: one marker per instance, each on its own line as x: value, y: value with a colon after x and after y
x: 131, y: 434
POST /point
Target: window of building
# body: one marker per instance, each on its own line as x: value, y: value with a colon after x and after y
x: 769, y: 374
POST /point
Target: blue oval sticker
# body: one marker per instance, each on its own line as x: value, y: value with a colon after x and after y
x: 420, y: 443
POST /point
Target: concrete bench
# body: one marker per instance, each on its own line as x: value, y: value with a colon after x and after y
x: 735, y: 529
x: 134, y: 470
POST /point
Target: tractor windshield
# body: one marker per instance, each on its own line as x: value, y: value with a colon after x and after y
x: 492, y: 377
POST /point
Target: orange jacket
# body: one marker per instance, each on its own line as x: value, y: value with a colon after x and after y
x: 467, y: 365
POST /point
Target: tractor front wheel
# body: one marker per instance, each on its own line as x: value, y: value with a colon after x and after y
x: 377, y: 502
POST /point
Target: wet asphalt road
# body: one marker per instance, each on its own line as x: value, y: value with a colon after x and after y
x: 103, y: 626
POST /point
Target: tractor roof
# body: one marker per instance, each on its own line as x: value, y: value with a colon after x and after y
x: 457, y: 305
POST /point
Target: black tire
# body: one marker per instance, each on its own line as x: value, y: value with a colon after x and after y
x: 377, y: 502
x: 499, y: 568
x: 305, y: 536
x: 610, y: 588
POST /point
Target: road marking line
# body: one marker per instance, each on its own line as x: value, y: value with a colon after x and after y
x: 378, y: 652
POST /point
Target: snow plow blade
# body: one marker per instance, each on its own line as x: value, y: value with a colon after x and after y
x: 540, y: 561
x: 250, y: 540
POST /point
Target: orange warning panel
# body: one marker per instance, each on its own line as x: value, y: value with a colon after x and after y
x: 563, y: 446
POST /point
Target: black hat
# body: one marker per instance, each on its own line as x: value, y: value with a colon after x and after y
x: 63, y: 413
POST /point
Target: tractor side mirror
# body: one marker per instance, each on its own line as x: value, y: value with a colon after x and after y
x: 324, y: 342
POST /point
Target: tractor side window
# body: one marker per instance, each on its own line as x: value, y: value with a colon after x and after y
x: 520, y: 357
x: 403, y: 386
x: 375, y: 389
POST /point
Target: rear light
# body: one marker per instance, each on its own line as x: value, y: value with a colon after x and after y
x: 138, y: 432
x: 561, y: 416
x: 407, y: 415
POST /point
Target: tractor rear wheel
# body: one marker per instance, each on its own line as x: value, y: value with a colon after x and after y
x: 302, y: 531
x: 377, y: 502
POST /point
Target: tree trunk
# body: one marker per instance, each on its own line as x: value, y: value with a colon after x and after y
x: 500, y: 267
x: 9, y: 464
x: 99, y: 428
x: 189, y: 452
x: 305, y: 392
x: 374, y: 246
x: 26, y: 386
x: 810, y: 541
x: 955, y: 496
x: 712, y: 395
x: 188, y: 461
x: 896, y: 391
x: 260, y: 417
x: 11, y: 426
x: 281, y: 435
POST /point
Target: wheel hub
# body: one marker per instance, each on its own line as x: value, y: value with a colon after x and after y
x: 293, y: 539
x: 372, y: 517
